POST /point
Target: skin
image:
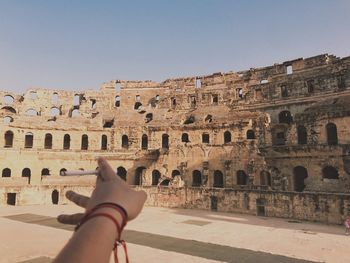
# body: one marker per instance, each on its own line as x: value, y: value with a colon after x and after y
x: 98, y: 234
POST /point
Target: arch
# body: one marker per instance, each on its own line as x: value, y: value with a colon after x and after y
x: 48, y: 141
x: 242, y: 177
x: 302, y: 135
x: 332, y: 135
x: 250, y: 135
x: 196, y: 178
x: 26, y: 173
x: 8, y: 139
x: 6, y: 172
x: 175, y: 173
x: 31, y: 112
x: 55, y: 197
x: 84, y: 142
x: 165, y: 141
x: 285, y: 117
x: 149, y: 117
x: 117, y: 101
x: 139, y: 173
x: 144, y: 142
x: 54, y: 98
x: 33, y: 95
x: 300, y: 174
x: 184, y: 137
x: 165, y: 182
x: 28, y: 141
x: 329, y: 172
x: 54, y: 111
x: 75, y: 113
x: 157, y: 98
x: 45, y: 172
x: 265, y: 178
x: 62, y: 171
x: 121, y: 172
x: 9, y: 109
x: 218, y: 179
x: 66, y: 142
x: 104, y: 142
x: 137, y: 105
x: 8, y: 100
x: 76, y: 100
x: 8, y: 119
x: 155, y: 177
x: 227, y: 137
x: 125, y: 141
x: 205, y: 138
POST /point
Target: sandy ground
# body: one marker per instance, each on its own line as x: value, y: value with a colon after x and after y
x: 309, y: 241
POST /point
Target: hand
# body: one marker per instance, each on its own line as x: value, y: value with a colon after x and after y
x: 109, y: 188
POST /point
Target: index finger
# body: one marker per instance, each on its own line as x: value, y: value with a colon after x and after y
x: 106, y: 171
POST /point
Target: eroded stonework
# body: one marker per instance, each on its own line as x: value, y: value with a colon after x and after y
x: 276, y: 139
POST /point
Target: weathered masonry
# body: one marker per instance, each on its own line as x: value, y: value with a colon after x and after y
x: 256, y: 141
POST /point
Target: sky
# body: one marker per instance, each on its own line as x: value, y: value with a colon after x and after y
x: 77, y: 45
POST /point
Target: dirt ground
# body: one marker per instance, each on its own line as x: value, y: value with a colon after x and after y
x: 31, y: 234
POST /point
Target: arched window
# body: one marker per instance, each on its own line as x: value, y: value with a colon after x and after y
x: 8, y: 100
x: 117, y: 101
x: 54, y: 197
x: 175, y: 173
x: 125, y: 142
x: 242, y: 178
x: 302, y: 135
x: 155, y: 177
x: 149, y: 117
x: 84, y: 142
x: 54, y: 98
x: 332, y: 135
x: 8, y: 109
x: 76, y: 100
x: 62, y: 171
x: 48, y: 141
x: 184, y: 137
x: 104, y: 142
x: 227, y: 137
x: 6, y: 172
x: 121, y: 171
x: 66, y: 142
x: 300, y: 174
x: 205, y: 138
x: 8, y: 119
x: 8, y: 139
x: 265, y: 178
x: 137, y: 105
x: 26, y: 173
x: 75, y: 113
x: 31, y: 112
x: 329, y: 172
x: 28, y: 140
x: 45, y: 172
x: 196, y: 178
x: 250, y: 135
x: 285, y: 117
x: 144, y: 142
x: 139, y: 173
x: 55, y: 111
x: 218, y: 179
x: 165, y: 141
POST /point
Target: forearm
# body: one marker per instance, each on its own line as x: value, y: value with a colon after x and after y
x: 93, y: 242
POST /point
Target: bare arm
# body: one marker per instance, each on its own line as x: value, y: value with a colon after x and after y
x: 94, y: 240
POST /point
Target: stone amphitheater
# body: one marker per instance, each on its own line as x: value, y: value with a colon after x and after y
x: 271, y: 141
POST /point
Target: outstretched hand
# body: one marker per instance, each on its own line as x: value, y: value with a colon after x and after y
x: 109, y: 188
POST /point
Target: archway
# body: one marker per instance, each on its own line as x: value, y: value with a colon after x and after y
x: 300, y: 174
x: 55, y: 197
x: 218, y: 179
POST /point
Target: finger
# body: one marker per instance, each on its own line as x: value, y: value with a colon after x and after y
x: 73, y: 219
x: 106, y: 171
x: 78, y: 199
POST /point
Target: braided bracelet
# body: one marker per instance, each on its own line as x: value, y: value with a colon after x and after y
x: 91, y: 214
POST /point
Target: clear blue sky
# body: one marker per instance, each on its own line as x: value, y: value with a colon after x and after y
x: 80, y: 44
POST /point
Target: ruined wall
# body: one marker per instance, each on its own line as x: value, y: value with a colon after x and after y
x: 236, y: 130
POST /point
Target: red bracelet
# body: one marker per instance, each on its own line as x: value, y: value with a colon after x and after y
x: 90, y: 214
